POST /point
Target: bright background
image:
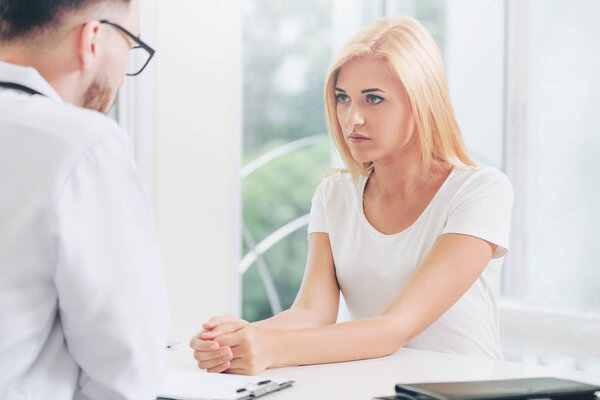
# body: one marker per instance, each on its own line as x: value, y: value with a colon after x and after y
x: 230, y: 136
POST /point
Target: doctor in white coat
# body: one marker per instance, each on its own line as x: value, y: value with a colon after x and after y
x: 83, y: 307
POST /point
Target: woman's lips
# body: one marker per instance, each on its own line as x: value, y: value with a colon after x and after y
x: 357, y: 138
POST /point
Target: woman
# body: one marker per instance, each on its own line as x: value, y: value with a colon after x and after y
x: 413, y: 234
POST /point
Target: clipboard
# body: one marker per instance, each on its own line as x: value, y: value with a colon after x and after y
x: 186, y: 384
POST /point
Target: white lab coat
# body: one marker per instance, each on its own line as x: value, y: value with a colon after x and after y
x: 83, y: 306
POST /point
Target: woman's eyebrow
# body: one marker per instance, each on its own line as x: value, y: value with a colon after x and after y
x: 363, y: 91
x: 373, y: 90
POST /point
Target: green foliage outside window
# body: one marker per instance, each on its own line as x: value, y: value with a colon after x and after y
x: 274, y: 195
x: 286, y: 55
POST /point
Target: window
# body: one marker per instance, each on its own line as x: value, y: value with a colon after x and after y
x: 552, y: 279
x: 287, y: 48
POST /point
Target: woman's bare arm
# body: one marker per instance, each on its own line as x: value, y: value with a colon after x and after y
x: 317, y: 301
x: 449, y: 270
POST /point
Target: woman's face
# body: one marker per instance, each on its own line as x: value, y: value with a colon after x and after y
x: 374, y: 112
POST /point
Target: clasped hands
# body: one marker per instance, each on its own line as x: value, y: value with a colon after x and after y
x: 230, y: 344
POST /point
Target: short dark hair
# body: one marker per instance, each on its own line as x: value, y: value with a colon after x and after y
x: 19, y: 18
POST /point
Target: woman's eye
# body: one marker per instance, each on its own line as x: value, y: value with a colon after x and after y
x: 342, y: 98
x: 372, y: 99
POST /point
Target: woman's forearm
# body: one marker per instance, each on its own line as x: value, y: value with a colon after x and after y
x: 294, y: 318
x: 354, y: 340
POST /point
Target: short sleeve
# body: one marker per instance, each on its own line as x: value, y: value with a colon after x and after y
x: 317, y: 221
x: 482, y: 208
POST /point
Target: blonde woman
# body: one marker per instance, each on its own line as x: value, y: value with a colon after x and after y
x: 413, y: 234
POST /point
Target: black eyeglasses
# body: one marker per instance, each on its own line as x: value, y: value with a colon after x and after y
x: 139, y: 56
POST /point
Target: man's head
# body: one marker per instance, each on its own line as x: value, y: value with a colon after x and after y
x: 84, y: 59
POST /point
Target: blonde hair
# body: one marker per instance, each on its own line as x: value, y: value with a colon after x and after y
x: 413, y: 57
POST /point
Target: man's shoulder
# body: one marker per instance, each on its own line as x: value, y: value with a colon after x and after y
x: 62, y: 129
x: 66, y: 122
x: 45, y: 139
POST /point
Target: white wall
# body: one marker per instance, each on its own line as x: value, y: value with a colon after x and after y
x: 198, y: 103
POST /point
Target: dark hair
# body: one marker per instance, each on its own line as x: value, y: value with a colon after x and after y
x: 19, y: 18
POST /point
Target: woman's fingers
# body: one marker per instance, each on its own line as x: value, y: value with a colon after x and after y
x: 214, y: 321
x: 229, y: 339
x: 223, y: 328
x: 212, y: 360
x: 210, y: 354
x: 219, y: 368
x: 223, y: 352
x: 203, y: 345
x: 250, y: 350
x: 239, y: 363
x: 237, y: 371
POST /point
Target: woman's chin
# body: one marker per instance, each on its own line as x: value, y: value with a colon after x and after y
x: 361, y: 157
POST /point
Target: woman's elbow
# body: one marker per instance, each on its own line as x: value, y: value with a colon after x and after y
x: 393, y: 334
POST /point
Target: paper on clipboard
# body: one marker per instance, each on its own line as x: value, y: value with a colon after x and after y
x: 185, y: 384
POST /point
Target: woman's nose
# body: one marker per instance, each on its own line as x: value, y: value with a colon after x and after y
x: 354, y: 116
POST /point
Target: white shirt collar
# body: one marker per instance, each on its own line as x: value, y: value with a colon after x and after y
x: 27, y: 76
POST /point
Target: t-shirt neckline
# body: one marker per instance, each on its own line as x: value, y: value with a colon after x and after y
x: 374, y: 230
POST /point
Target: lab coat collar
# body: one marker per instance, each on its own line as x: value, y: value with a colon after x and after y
x: 27, y: 76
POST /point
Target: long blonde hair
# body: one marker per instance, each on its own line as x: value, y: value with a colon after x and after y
x: 413, y: 57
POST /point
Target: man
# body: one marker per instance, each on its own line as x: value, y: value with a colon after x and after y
x: 83, y: 310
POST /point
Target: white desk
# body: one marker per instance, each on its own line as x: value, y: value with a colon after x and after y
x: 377, y: 377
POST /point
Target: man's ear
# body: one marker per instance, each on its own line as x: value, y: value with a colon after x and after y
x: 87, y: 48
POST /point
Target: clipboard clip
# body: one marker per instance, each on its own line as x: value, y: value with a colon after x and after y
x: 261, y: 388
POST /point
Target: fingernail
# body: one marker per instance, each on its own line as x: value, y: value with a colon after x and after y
x: 224, y: 351
x: 214, y: 346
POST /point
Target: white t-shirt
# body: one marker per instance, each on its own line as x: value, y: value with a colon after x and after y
x: 371, y: 266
